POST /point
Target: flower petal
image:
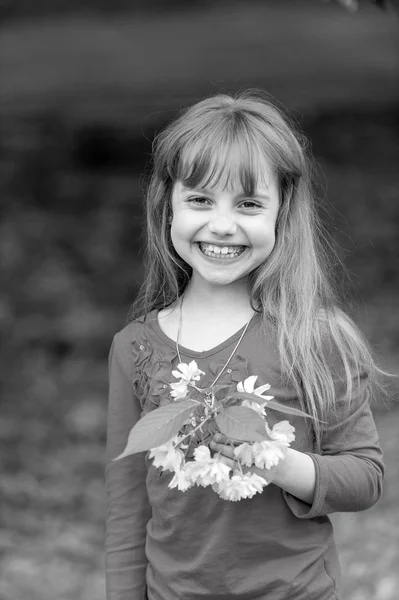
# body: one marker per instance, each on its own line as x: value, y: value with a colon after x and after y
x: 261, y: 389
x: 249, y: 384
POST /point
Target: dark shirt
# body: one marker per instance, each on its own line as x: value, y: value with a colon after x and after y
x: 168, y: 545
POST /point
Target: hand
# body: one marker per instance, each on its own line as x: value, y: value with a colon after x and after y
x: 225, y: 448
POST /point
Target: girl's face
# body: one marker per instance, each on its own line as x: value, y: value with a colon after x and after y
x: 223, y: 234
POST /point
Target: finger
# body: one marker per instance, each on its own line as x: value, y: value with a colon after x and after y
x: 223, y: 449
x: 220, y: 438
x: 227, y: 461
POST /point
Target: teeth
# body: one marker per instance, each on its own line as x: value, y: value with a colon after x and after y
x: 228, y: 251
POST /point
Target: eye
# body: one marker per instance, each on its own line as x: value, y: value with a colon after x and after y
x: 198, y: 200
x: 250, y: 204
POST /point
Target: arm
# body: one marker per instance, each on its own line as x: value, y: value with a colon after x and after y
x: 296, y: 474
x: 128, y: 506
x: 349, y: 470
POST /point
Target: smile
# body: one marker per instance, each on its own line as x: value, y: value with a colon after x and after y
x: 221, y: 252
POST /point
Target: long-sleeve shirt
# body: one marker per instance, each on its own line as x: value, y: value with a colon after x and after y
x: 164, y: 544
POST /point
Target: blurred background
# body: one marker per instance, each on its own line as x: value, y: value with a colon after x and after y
x: 84, y: 85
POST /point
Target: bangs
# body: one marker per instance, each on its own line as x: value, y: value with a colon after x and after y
x: 221, y: 156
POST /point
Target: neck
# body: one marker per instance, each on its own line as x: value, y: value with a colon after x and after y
x: 206, y: 299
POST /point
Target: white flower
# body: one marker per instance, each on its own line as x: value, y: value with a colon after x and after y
x: 255, y: 484
x: 240, y: 486
x: 256, y: 406
x: 205, y: 470
x: 282, y: 432
x: 167, y: 457
x: 211, y: 473
x: 248, y: 385
x: 181, y: 480
x: 202, y: 454
x: 179, y: 390
x: 188, y: 372
x: 267, y: 454
x: 244, y: 453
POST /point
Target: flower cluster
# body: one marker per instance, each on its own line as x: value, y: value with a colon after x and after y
x: 200, y: 468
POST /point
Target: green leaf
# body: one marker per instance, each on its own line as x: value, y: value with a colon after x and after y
x: 158, y: 426
x: 242, y: 424
x: 289, y: 410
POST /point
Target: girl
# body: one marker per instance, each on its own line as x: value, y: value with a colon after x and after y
x: 237, y: 280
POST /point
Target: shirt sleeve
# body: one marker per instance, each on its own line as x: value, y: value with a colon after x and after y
x: 128, y: 509
x: 349, y: 469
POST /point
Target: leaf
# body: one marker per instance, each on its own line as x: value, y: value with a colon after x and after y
x: 289, y: 410
x: 242, y: 423
x: 158, y: 426
x: 221, y: 391
x: 248, y: 396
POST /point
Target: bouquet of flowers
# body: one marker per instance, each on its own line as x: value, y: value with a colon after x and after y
x: 178, y: 434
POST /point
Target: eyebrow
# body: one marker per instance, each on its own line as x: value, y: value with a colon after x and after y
x: 237, y: 197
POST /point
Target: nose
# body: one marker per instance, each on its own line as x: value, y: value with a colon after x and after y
x: 222, y: 224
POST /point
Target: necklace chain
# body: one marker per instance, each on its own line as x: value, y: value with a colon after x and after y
x: 231, y: 355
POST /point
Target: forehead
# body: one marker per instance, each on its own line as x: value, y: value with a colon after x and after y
x: 262, y: 189
x: 237, y: 167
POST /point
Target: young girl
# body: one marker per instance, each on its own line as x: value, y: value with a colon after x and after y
x: 236, y: 279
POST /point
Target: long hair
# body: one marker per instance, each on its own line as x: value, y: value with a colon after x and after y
x: 226, y: 140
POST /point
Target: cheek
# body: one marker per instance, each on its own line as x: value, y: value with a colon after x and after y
x: 265, y: 238
x: 180, y: 235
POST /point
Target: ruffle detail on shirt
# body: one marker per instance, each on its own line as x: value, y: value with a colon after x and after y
x: 153, y: 371
x: 236, y: 370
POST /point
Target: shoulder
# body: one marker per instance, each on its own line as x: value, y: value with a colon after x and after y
x: 129, y: 342
x: 124, y: 337
x: 346, y: 352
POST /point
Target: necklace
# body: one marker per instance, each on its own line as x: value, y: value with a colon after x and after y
x: 231, y: 355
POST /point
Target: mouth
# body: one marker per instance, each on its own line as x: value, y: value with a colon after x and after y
x: 220, y: 252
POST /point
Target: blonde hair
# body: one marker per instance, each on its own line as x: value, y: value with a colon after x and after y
x: 226, y: 139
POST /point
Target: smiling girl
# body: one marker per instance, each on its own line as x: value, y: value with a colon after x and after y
x: 237, y: 280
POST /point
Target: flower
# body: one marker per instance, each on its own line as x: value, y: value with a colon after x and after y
x: 205, y: 470
x: 282, y: 431
x: 179, y: 390
x: 267, y: 454
x: 189, y: 373
x: 244, y: 453
x: 256, y: 406
x: 202, y: 454
x: 193, y: 464
x: 181, y: 481
x: 167, y: 457
x: 248, y: 386
x: 240, y: 486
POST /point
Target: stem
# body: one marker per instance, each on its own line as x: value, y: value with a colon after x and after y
x: 239, y: 466
x: 196, y: 388
x: 213, y: 400
x: 193, y: 430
